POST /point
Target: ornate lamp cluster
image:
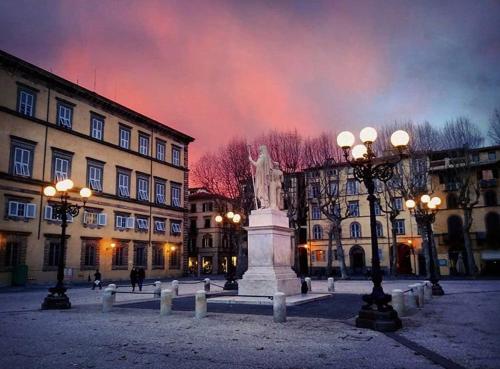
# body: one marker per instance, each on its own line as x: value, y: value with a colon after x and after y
x: 366, y: 169
x: 57, y: 298
x: 232, y: 219
x: 424, y: 210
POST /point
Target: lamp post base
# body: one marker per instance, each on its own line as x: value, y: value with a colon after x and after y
x: 382, y: 321
x: 231, y: 285
x: 53, y: 302
x: 437, y: 290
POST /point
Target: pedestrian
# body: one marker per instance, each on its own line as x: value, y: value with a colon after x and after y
x: 133, y: 278
x: 141, y: 275
x: 97, y: 280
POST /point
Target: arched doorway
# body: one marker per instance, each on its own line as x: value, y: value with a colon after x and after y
x: 357, y: 260
x: 456, y: 249
x: 404, y: 259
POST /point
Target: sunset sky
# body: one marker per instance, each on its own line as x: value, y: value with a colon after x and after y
x: 216, y: 69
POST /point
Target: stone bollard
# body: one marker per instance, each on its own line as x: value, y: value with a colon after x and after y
x: 279, y: 307
x: 113, y: 287
x: 107, y: 300
x: 308, y: 282
x: 428, y: 290
x: 175, y: 287
x: 166, y: 302
x: 420, y: 291
x: 207, y: 284
x: 331, y: 285
x: 201, y: 305
x: 398, y: 302
x: 410, y: 300
x: 157, y: 289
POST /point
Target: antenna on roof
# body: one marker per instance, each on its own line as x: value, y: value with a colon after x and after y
x: 95, y: 77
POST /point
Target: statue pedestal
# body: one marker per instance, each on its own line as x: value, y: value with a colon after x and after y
x: 269, y: 256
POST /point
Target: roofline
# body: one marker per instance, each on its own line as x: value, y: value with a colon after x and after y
x: 107, y: 104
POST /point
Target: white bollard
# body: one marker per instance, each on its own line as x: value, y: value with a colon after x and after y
x: 113, y: 286
x: 410, y: 300
x: 107, y: 300
x: 201, y: 305
x: 428, y: 290
x: 331, y: 285
x: 398, y: 302
x: 308, y: 282
x: 166, y: 302
x: 207, y: 284
x: 157, y: 289
x: 420, y: 291
x: 279, y: 307
x: 175, y: 287
x: 418, y: 296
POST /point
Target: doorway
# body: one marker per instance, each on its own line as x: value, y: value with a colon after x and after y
x: 357, y: 260
x: 404, y: 259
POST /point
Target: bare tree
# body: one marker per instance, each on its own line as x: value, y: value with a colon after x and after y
x: 494, y: 129
x: 461, y: 132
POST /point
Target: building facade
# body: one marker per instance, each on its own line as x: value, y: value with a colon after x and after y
x: 137, y: 168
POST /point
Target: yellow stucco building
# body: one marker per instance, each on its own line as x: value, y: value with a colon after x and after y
x: 137, y: 168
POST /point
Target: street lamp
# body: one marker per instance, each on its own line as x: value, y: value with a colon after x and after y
x: 367, y: 169
x: 57, y: 298
x: 232, y: 220
x: 425, y: 215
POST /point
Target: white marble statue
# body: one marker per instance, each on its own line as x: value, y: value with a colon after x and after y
x: 267, y: 181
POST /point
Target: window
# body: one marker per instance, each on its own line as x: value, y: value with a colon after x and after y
x: 334, y: 188
x: 175, y: 228
x: 175, y: 195
x: 353, y: 208
x: 317, y: 232
x: 352, y: 187
x: 492, y: 155
x: 61, y: 165
x: 192, y: 224
x: 123, y: 183
x: 160, y: 150
x: 378, y: 211
x: 316, y: 212
x: 64, y: 115
x: 143, y: 144
x: 379, y: 186
x: 94, y: 218
x: 159, y: 225
x: 140, y: 254
x: 94, y: 175
x: 207, y: 241
x: 142, y: 188
x: 176, y: 155
x: 355, y: 230
x: 490, y: 198
x: 124, y: 134
x: 96, y: 127
x: 11, y: 254
x: 397, y: 203
x: 318, y: 255
x: 160, y: 192
x: 451, y: 201
x: 120, y: 256
x: 208, y: 206
x: 158, y: 261
x: 21, y: 156
x: 380, y: 230
x: 54, y: 252
x: 90, y: 254
x: 174, y: 258
x: 124, y: 221
x: 51, y: 215
x: 142, y: 224
x: 314, y: 190
x: 399, y: 226
x: 17, y: 209
x: 193, y: 208
x: 26, y: 101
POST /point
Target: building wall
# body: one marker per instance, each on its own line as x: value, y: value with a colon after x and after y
x: 42, y: 131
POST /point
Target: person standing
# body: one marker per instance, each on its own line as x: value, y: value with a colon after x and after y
x: 133, y: 278
x: 97, y: 280
x: 141, y: 275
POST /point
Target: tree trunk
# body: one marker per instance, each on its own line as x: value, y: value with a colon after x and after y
x: 434, y: 254
x: 471, y: 263
x: 340, y: 254
x: 329, y: 260
x: 394, y: 259
x: 425, y: 248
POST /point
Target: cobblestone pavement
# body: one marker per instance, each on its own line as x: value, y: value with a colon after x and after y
x: 458, y: 330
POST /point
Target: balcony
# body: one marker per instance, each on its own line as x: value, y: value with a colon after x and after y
x: 487, y: 183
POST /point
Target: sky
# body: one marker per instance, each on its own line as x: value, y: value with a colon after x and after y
x: 218, y: 69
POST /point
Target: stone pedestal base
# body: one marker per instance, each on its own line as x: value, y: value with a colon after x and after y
x: 269, y: 256
x: 382, y: 321
x: 56, y: 302
x: 437, y: 290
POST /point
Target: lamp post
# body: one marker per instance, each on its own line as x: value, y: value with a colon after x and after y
x: 366, y: 169
x: 232, y: 220
x: 57, y: 298
x: 425, y: 215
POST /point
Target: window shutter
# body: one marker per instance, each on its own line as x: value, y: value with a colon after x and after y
x: 13, y: 205
x: 29, y: 211
x: 48, y: 212
x: 69, y: 218
x: 102, y: 219
x: 130, y: 223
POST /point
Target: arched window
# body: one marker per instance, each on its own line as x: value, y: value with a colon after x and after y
x: 355, y: 230
x: 492, y: 221
x: 317, y: 232
x: 452, y: 201
x: 455, y: 231
x: 490, y: 198
x: 380, y: 230
x: 207, y: 240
